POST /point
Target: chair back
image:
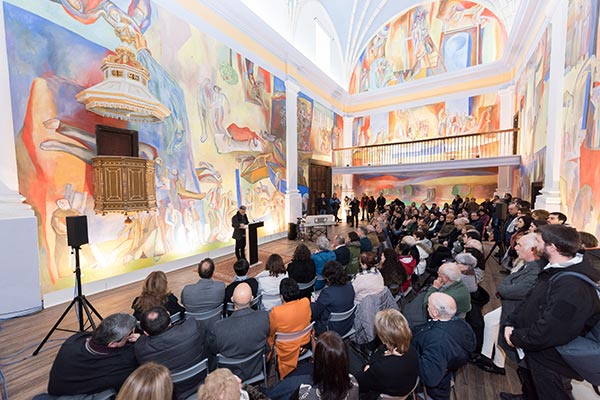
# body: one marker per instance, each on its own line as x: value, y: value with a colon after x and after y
x: 307, y: 285
x: 288, y: 337
x: 206, y: 315
x: 256, y: 302
x: 190, y: 372
x: 225, y: 362
x: 342, y: 316
x: 175, y: 318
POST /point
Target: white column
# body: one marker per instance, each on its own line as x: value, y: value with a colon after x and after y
x: 505, y: 174
x: 347, y: 189
x: 550, y: 197
x: 293, y: 200
x: 20, y: 282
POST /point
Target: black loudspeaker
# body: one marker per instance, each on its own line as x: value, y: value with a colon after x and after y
x: 292, y: 231
x: 501, y: 209
x: 77, y: 231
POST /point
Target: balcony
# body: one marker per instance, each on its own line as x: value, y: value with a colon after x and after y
x: 489, y: 149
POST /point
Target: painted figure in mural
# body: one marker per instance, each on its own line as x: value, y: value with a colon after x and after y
x: 221, y: 109
x: 423, y: 45
x: 58, y: 221
x: 205, y: 103
x: 239, y: 222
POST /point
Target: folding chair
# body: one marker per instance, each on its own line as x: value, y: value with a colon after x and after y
x: 342, y: 316
x: 289, y: 337
x: 223, y: 361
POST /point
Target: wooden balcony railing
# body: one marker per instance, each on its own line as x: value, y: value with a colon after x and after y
x: 464, y: 147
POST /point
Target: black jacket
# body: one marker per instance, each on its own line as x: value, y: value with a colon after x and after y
x: 236, y: 221
x: 555, y: 313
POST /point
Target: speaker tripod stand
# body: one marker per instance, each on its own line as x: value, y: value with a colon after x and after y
x: 81, y: 304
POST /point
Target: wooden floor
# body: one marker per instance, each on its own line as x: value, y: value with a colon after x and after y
x: 27, y: 376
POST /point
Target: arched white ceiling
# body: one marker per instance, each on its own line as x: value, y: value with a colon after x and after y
x: 354, y: 22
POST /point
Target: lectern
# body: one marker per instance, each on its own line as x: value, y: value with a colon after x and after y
x: 252, y: 241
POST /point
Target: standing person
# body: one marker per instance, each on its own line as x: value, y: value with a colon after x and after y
x: 553, y: 314
x: 371, y: 205
x: 363, y: 205
x: 334, y: 204
x: 381, y: 202
x: 239, y: 222
x: 321, y: 204
x: 354, y: 211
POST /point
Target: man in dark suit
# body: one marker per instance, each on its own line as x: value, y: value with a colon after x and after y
x: 240, y: 335
x: 240, y: 267
x: 239, y: 222
x: 342, y: 253
x: 177, y: 346
x: 89, y: 363
x: 206, y: 294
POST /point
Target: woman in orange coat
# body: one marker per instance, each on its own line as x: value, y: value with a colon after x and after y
x: 292, y: 316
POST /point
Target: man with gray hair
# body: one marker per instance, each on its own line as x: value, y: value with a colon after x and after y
x: 449, y: 282
x: 443, y: 345
x: 365, y: 243
x: 322, y: 255
x: 89, y: 363
x: 342, y: 253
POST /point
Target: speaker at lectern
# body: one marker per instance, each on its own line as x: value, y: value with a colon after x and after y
x: 252, y: 241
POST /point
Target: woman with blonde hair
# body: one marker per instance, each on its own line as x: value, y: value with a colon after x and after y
x: 394, y: 367
x: 221, y: 384
x: 155, y: 292
x: 150, y: 381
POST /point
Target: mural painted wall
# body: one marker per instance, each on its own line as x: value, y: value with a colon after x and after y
x: 580, y: 169
x: 429, y: 39
x: 319, y: 132
x: 448, y: 118
x: 222, y: 146
x: 532, y: 104
x: 430, y: 187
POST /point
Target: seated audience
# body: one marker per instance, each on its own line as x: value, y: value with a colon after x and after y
x: 557, y: 218
x: 354, y: 247
x: 337, y: 296
x: 394, y: 368
x: 368, y: 281
x: 206, y: 294
x: 443, y: 345
x: 176, y: 346
x: 269, y: 279
x: 342, y: 253
x: 331, y: 378
x: 302, y: 268
x: 155, y: 292
x: 372, y: 236
x: 552, y: 314
x: 291, y: 316
x: 222, y: 384
x: 240, y: 268
x: 467, y: 265
x: 322, y: 256
x: 393, y: 273
x: 512, y: 290
x: 449, y: 282
x: 241, y: 335
x: 151, y: 381
x: 92, y: 362
x: 365, y: 243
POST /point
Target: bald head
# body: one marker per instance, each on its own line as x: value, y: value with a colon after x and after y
x: 242, y: 296
x: 449, y: 272
x: 441, y: 306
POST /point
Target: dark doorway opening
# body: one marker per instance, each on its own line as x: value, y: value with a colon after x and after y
x: 319, y: 181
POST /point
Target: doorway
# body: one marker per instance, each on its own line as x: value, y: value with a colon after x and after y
x: 319, y: 181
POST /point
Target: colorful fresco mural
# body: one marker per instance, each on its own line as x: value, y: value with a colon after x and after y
x: 430, y: 187
x: 580, y: 169
x: 429, y: 39
x: 209, y: 158
x: 448, y: 118
x: 320, y: 130
x: 532, y: 104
